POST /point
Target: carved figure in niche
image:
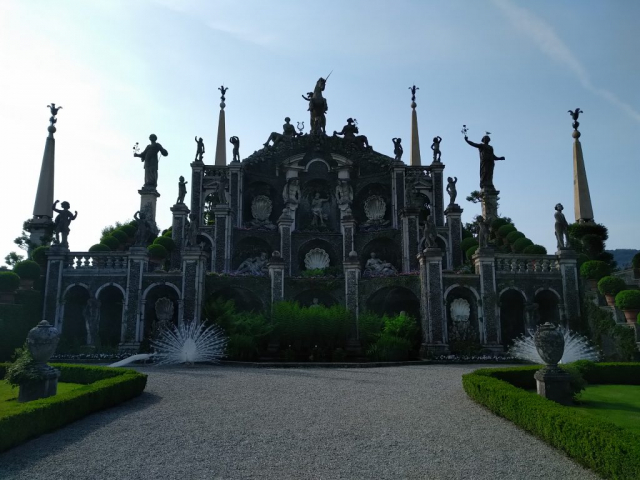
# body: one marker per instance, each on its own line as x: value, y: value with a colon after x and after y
x: 218, y: 183
x: 435, y: 146
x: 451, y: 189
x: 375, y: 209
x: 191, y: 239
x: 254, y: 265
x: 562, y: 227
x: 91, y: 314
x: 315, y: 303
x: 150, y: 158
x: 317, y: 210
x: 378, y: 267
x: 483, y: 232
x: 261, y: 207
x: 200, y: 149
x: 235, y: 141
x: 350, y: 132
x: 288, y: 132
x: 487, y: 161
x: 62, y: 223
x: 318, y: 107
x: 397, y: 149
x: 143, y: 229
x: 344, y: 196
x: 182, y: 190
x: 429, y: 234
x: 291, y: 192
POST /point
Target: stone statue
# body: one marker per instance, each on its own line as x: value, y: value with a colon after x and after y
x: 562, y: 227
x: 143, y: 231
x: 316, y: 209
x: 191, y: 239
x: 150, y: 158
x: 350, y: 132
x: 575, y: 114
x: 291, y: 192
x: 182, y: 190
x: 397, y: 149
x: 377, y: 267
x: 315, y: 303
x: 254, y: 265
x: 200, y: 150
x: 483, y: 232
x: 288, y: 132
x: 451, y: 189
x: 62, y: 223
x: 235, y: 141
x: 429, y: 234
x: 217, y: 181
x: 435, y: 146
x: 318, y: 107
x: 91, y: 314
x: 344, y: 195
x: 487, y: 161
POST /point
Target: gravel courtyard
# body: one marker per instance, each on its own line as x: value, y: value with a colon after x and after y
x: 232, y: 423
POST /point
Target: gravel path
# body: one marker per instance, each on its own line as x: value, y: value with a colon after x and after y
x: 230, y: 422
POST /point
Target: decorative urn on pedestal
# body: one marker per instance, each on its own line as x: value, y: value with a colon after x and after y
x: 552, y: 382
x: 42, y: 341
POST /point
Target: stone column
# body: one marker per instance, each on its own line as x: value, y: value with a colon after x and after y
x: 276, y: 274
x: 148, y: 199
x: 434, y: 326
x: 410, y: 237
x: 348, y: 227
x: 178, y: 231
x: 397, y: 191
x: 133, y: 327
x: 222, y: 239
x: 52, y: 308
x: 490, y: 204
x: 235, y: 193
x: 437, y: 169
x: 568, y: 260
x: 454, y: 222
x: 285, y: 224
x: 193, y: 270
x: 351, y: 280
x: 197, y: 169
x: 484, y: 260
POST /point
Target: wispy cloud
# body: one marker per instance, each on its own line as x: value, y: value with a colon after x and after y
x: 548, y: 41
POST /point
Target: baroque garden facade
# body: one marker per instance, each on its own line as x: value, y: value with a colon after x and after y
x: 314, y: 218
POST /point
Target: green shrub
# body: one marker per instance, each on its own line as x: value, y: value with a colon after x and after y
x: 99, y: 247
x: 166, y: 242
x: 9, y: 282
x: 466, y: 234
x: 110, y: 241
x: 592, y: 245
x: 628, y: 300
x: 27, y: 270
x: 168, y: 232
x: 157, y: 251
x: 520, y: 244
x: 119, y: 235
x: 129, y: 230
x: 471, y: 251
x: 579, y: 230
x: 610, y: 285
x: 534, y: 250
x: 402, y: 326
x: 505, y: 230
x: 242, y: 347
x: 390, y: 348
x: 635, y: 261
x: 39, y: 255
x: 513, y: 236
x: 467, y: 243
x: 594, y: 269
x: 370, y: 327
x: 499, y: 222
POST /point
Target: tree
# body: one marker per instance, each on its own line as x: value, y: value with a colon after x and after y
x: 474, y: 197
x: 13, y: 258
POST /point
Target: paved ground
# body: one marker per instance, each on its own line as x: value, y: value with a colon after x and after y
x: 230, y: 423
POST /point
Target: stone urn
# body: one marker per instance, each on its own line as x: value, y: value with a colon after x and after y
x: 552, y: 382
x: 42, y: 341
x: 549, y: 342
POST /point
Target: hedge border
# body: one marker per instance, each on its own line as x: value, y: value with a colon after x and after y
x: 104, y: 388
x: 605, y: 448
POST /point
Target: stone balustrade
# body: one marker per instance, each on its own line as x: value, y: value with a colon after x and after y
x: 97, y: 260
x: 521, y: 263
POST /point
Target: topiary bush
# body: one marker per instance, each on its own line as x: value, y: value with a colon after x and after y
x: 110, y: 241
x: 470, y: 252
x: 499, y: 222
x: 505, y: 230
x: 168, y: 232
x: 157, y: 251
x: 534, y: 250
x: 594, y: 269
x: 166, y: 242
x: 513, y: 236
x: 27, y: 270
x: 628, y: 300
x: 120, y: 236
x: 130, y: 230
x: 99, y: 247
x: 467, y: 243
x: 592, y: 245
x: 9, y: 281
x: 610, y: 285
x: 39, y: 255
x: 520, y: 244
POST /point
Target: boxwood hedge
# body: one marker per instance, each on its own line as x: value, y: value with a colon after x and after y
x: 104, y: 388
x: 609, y: 450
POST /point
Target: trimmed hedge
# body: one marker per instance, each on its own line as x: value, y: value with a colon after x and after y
x: 499, y: 222
x: 505, y: 230
x: 594, y: 269
x: 120, y: 236
x: 513, y: 236
x: 157, y: 251
x: 27, y: 270
x: 99, y: 247
x: 520, y: 244
x: 610, y: 285
x: 110, y: 241
x: 9, y: 282
x: 129, y: 230
x: 535, y: 250
x: 166, y: 242
x: 104, y: 388
x: 628, y: 300
x: 467, y: 243
x: 471, y: 251
x: 609, y: 450
x: 39, y: 255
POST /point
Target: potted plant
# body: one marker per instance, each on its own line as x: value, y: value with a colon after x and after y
x: 610, y: 286
x: 629, y: 302
x: 28, y: 271
x: 9, y: 283
x: 594, y: 270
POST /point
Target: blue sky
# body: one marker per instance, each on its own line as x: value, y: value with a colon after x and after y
x: 124, y: 69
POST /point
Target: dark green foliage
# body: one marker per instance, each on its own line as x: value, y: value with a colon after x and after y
x: 513, y: 236
x: 396, y: 341
x: 16, y: 321
x: 499, y: 222
x: 609, y: 450
x: 588, y: 239
x: 110, y: 241
x: 39, y: 255
x: 604, y: 331
x: 467, y: 243
x: 610, y: 285
x: 370, y: 326
x: 166, y: 242
x: 471, y: 251
x: 9, y: 282
x: 628, y: 300
x: 22, y: 370
x: 390, y: 348
x: 579, y: 230
x: 592, y: 245
x: 463, y: 339
x: 520, y: 244
x: 505, y: 230
x: 129, y: 230
x: 466, y: 233
x: 99, y: 247
x: 157, y: 251
x: 534, y: 250
x: 322, y: 272
x: 13, y: 258
x: 119, y: 235
x: 168, y: 232
x: 594, y: 269
x: 635, y: 261
x: 104, y: 388
x: 27, y: 270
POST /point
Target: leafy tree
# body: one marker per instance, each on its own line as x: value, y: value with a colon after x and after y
x: 13, y: 258
x: 474, y: 197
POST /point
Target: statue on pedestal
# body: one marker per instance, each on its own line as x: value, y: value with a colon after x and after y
x: 318, y: 107
x: 62, y: 223
x: 562, y: 227
x: 377, y: 267
x: 451, y: 189
x: 191, y: 239
x: 350, y: 132
x: 150, y: 158
x: 235, y: 141
x: 316, y: 209
x: 397, y: 149
x: 487, y: 161
x: 288, y: 132
x: 200, y: 150
x: 143, y: 231
x: 435, y: 146
x: 483, y: 232
x: 429, y: 234
x: 182, y: 190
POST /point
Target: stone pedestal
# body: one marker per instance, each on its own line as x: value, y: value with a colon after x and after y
x: 285, y: 225
x: 148, y: 200
x: 46, y: 387
x: 52, y: 307
x: 437, y: 169
x: 397, y: 191
x: 193, y: 270
x: 197, y: 170
x: 276, y: 267
x: 554, y: 384
x: 484, y: 261
x: 222, y: 239
x: 348, y: 227
x: 235, y: 192
x: 409, y: 218
x: 351, y: 268
x: 434, y: 327
x: 133, y: 330
x: 454, y: 223
x: 40, y: 232
x: 178, y: 231
x: 568, y: 260
x: 490, y: 204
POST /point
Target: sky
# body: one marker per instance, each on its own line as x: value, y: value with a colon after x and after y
x: 123, y: 69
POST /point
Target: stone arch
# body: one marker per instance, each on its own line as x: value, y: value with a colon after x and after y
x: 513, y: 287
x: 317, y: 159
x: 208, y: 249
x: 393, y: 300
x: 73, y: 327
x: 111, y: 297
x: 110, y: 284
x: 463, y: 335
x: 512, y: 314
x: 150, y: 296
x: 306, y: 298
x: 249, y: 247
x: 334, y: 259
x: 385, y: 249
x: 548, y: 305
x: 244, y: 299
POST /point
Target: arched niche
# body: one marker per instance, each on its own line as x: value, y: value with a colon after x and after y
x: 111, y: 299
x: 463, y: 335
x: 385, y: 249
x: 253, y: 190
x: 365, y: 193
x: 244, y: 299
x: 249, y: 247
x: 548, y: 306
x: 313, y: 190
x: 310, y: 297
x: 512, y: 321
x: 393, y: 300
x: 317, y: 243
x: 74, y: 328
x: 150, y: 297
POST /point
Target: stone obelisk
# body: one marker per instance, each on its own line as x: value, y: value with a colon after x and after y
x: 221, y: 145
x: 581, y: 197
x: 415, y: 138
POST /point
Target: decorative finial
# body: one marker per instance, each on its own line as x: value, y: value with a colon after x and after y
x: 413, y: 95
x: 575, y: 114
x: 223, y: 91
x: 136, y: 148
x: 464, y: 130
x: 52, y: 120
x: 300, y: 127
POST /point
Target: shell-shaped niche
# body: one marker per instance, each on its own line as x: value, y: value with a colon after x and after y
x: 375, y: 208
x: 316, y: 258
x: 460, y: 310
x: 164, y: 309
x: 261, y: 207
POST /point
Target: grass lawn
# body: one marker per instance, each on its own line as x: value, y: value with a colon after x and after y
x: 9, y: 396
x: 618, y: 404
